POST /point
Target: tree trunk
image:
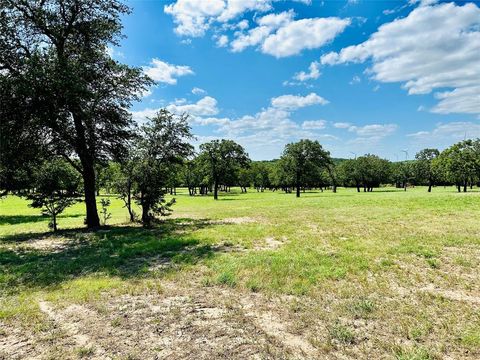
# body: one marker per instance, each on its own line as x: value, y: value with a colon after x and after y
x: 465, y: 186
x: 54, y: 221
x: 129, y: 206
x: 93, y: 221
x: 430, y: 186
x: 215, y: 190
x: 298, y: 190
x: 145, y: 215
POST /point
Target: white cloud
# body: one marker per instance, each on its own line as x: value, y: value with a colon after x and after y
x: 355, y: 80
x: 292, y: 102
x: 314, y: 125
x: 434, y: 47
x: 243, y: 25
x: 267, y: 24
x: 236, y: 7
x: 164, y: 72
x: 142, y: 115
x: 342, y: 125
x: 460, y: 100
x: 452, y: 132
x: 280, y: 35
x: 422, y: 2
x: 205, y: 106
x: 313, y: 73
x: 194, y: 17
x: 302, y: 34
x: 374, y: 130
x: 198, y: 91
x: 222, y: 40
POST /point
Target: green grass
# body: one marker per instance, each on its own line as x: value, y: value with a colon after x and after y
x: 342, y: 250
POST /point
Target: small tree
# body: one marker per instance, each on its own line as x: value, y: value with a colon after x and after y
x: 220, y: 159
x: 105, y: 203
x: 56, y: 188
x: 303, y: 158
x: 163, y: 143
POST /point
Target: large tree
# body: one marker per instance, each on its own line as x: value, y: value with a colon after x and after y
x: 221, y: 159
x: 68, y: 90
x: 304, y: 158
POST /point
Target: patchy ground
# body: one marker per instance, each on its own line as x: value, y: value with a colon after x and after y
x: 243, y: 282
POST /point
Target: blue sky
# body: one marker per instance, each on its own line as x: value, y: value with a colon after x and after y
x: 359, y: 76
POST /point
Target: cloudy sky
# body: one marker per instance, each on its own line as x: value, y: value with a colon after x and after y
x: 359, y: 76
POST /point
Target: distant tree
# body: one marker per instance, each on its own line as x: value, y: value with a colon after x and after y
x: 260, y: 175
x: 461, y: 162
x: 245, y: 178
x: 279, y: 177
x: 220, y: 159
x: 55, y: 188
x: 348, y: 173
x: 302, y: 158
x: 372, y: 171
x: 424, y: 166
x: 162, y: 144
x: 403, y: 172
x: 71, y: 97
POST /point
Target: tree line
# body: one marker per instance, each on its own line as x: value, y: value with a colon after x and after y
x: 66, y: 130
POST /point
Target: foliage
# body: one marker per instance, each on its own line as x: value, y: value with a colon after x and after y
x: 161, y: 145
x: 425, y: 171
x: 105, y: 203
x: 303, y: 161
x: 55, y: 188
x: 68, y: 90
x: 221, y: 160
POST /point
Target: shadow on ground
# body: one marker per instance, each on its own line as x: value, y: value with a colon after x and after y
x: 23, y: 219
x: 125, y: 251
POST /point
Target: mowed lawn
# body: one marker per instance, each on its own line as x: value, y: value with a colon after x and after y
x: 387, y: 274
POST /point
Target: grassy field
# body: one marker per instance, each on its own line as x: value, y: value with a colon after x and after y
x: 381, y: 275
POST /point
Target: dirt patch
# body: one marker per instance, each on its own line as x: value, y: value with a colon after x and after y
x: 452, y: 294
x: 271, y: 243
x: 236, y: 220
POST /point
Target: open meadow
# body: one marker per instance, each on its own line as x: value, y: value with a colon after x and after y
x: 381, y: 275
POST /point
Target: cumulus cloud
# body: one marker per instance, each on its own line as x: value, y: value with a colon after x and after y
x: 342, y: 125
x: 312, y: 74
x: 266, y: 25
x: 460, y: 100
x: 204, y: 106
x: 293, y: 102
x: 314, y: 124
x: 280, y: 35
x: 221, y: 40
x: 373, y: 130
x: 194, y: 17
x: 434, y: 47
x: 164, y: 72
x: 452, y: 132
x: 367, y: 135
x: 142, y: 115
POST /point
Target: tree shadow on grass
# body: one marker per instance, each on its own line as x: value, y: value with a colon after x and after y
x: 23, y: 219
x: 127, y: 252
